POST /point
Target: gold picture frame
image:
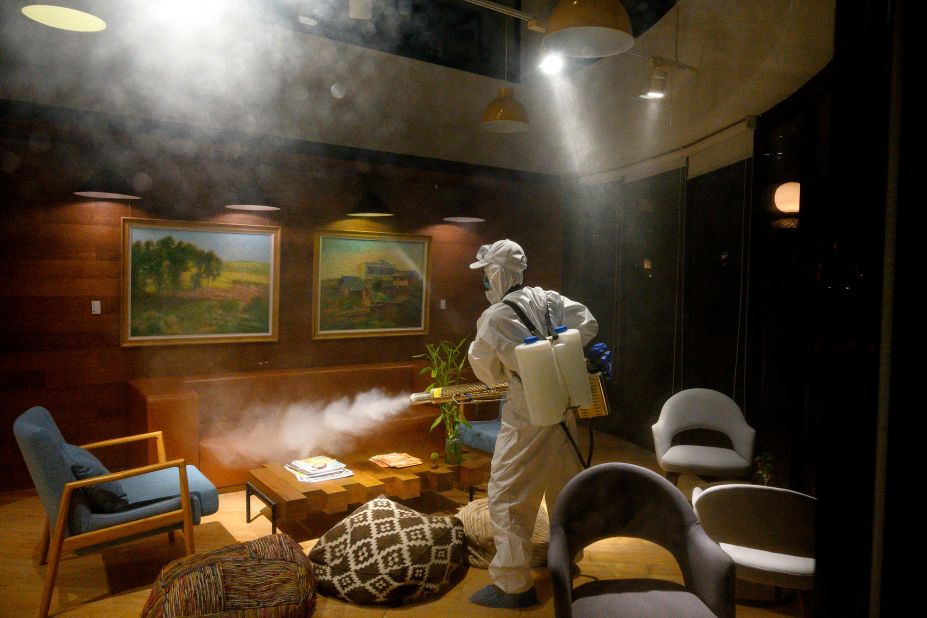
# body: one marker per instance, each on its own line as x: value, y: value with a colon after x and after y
x: 369, y: 284
x: 186, y: 282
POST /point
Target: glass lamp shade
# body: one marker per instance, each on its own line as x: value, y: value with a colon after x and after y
x: 107, y: 185
x: 787, y: 197
x: 504, y: 114
x: 589, y: 29
x: 370, y: 205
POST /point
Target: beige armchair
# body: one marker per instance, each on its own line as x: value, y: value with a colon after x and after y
x: 702, y: 408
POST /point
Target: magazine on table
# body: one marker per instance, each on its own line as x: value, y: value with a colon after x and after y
x: 395, y: 460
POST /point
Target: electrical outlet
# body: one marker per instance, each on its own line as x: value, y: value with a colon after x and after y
x: 443, y: 304
x: 95, y: 307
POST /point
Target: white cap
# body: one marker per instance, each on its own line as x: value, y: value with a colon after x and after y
x: 507, y: 254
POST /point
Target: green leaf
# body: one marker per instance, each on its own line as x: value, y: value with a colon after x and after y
x: 424, y: 370
x: 436, y: 422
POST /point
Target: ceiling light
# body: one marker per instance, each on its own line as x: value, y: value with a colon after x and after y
x: 504, y: 114
x: 589, y: 28
x: 64, y: 18
x: 787, y: 197
x: 106, y: 184
x: 370, y: 205
x: 656, y: 89
x: 308, y: 21
x: 551, y: 63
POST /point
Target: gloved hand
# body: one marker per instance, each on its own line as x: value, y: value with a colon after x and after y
x: 599, y: 360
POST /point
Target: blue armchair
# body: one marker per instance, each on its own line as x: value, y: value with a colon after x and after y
x: 150, y: 499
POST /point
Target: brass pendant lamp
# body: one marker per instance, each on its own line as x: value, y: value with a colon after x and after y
x: 589, y: 29
x: 505, y: 114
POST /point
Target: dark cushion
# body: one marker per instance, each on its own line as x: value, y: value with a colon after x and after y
x: 270, y: 576
x: 106, y: 497
x: 386, y: 553
x: 641, y: 598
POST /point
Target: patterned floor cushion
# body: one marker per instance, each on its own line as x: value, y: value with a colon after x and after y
x: 480, y: 545
x: 386, y: 553
x: 270, y: 576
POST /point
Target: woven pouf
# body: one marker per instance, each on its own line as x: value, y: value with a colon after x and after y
x: 386, y: 553
x: 269, y: 576
x: 478, y: 529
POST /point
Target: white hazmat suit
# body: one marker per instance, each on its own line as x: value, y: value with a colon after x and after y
x: 529, y: 462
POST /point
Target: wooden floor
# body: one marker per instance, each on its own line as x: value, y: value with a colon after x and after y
x: 116, y: 582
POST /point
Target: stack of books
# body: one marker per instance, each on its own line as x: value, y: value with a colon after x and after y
x: 317, y: 469
x: 395, y: 460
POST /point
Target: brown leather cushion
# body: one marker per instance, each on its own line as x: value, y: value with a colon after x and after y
x: 268, y: 576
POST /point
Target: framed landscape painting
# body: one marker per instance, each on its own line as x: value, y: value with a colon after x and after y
x: 186, y: 282
x: 367, y: 284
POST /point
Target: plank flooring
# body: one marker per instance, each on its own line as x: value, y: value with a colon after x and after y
x: 116, y: 582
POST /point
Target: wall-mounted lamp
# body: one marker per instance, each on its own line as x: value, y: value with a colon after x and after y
x: 656, y: 88
x: 106, y: 184
x: 370, y: 205
x: 788, y: 197
x: 589, y: 29
x: 64, y: 18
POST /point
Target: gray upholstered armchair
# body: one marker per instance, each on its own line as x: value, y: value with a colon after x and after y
x: 702, y: 408
x: 87, y: 506
x: 617, y: 499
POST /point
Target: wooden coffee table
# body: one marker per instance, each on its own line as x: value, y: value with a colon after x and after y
x: 293, y: 501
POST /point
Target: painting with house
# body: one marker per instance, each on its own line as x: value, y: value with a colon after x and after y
x: 369, y: 284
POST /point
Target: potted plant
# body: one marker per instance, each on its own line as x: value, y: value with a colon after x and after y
x: 447, y: 360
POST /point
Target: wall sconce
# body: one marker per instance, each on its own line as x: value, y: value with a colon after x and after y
x: 656, y: 88
x: 788, y: 197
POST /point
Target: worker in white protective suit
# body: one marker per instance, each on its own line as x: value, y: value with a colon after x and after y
x: 529, y: 462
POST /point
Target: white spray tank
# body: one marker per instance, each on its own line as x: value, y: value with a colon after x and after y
x: 546, y: 395
x: 568, y: 348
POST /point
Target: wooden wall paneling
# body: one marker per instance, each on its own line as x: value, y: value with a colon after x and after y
x: 60, y: 252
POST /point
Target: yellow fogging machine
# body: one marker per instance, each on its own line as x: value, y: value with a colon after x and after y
x: 462, y: 394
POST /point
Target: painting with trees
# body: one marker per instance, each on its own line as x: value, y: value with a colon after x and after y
x: 187, y: 282
x: 368, y: 284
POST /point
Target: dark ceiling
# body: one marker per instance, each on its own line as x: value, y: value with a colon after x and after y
x: 452, y: 33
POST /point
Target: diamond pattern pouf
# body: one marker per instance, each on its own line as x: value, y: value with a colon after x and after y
x: 386, y: 553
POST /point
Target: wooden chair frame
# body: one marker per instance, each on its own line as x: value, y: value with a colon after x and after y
x: 54, y: 545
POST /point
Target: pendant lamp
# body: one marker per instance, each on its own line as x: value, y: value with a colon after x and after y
x: 505, y: 114
x: 247, y: 197
x: 589, y: 29
x: 106, y: 184
x: 370, y: 205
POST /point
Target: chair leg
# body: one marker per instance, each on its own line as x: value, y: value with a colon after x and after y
x: 171, y: 537
x: 43, y: 544
x: 51, y: 569
x: 672, y: 477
